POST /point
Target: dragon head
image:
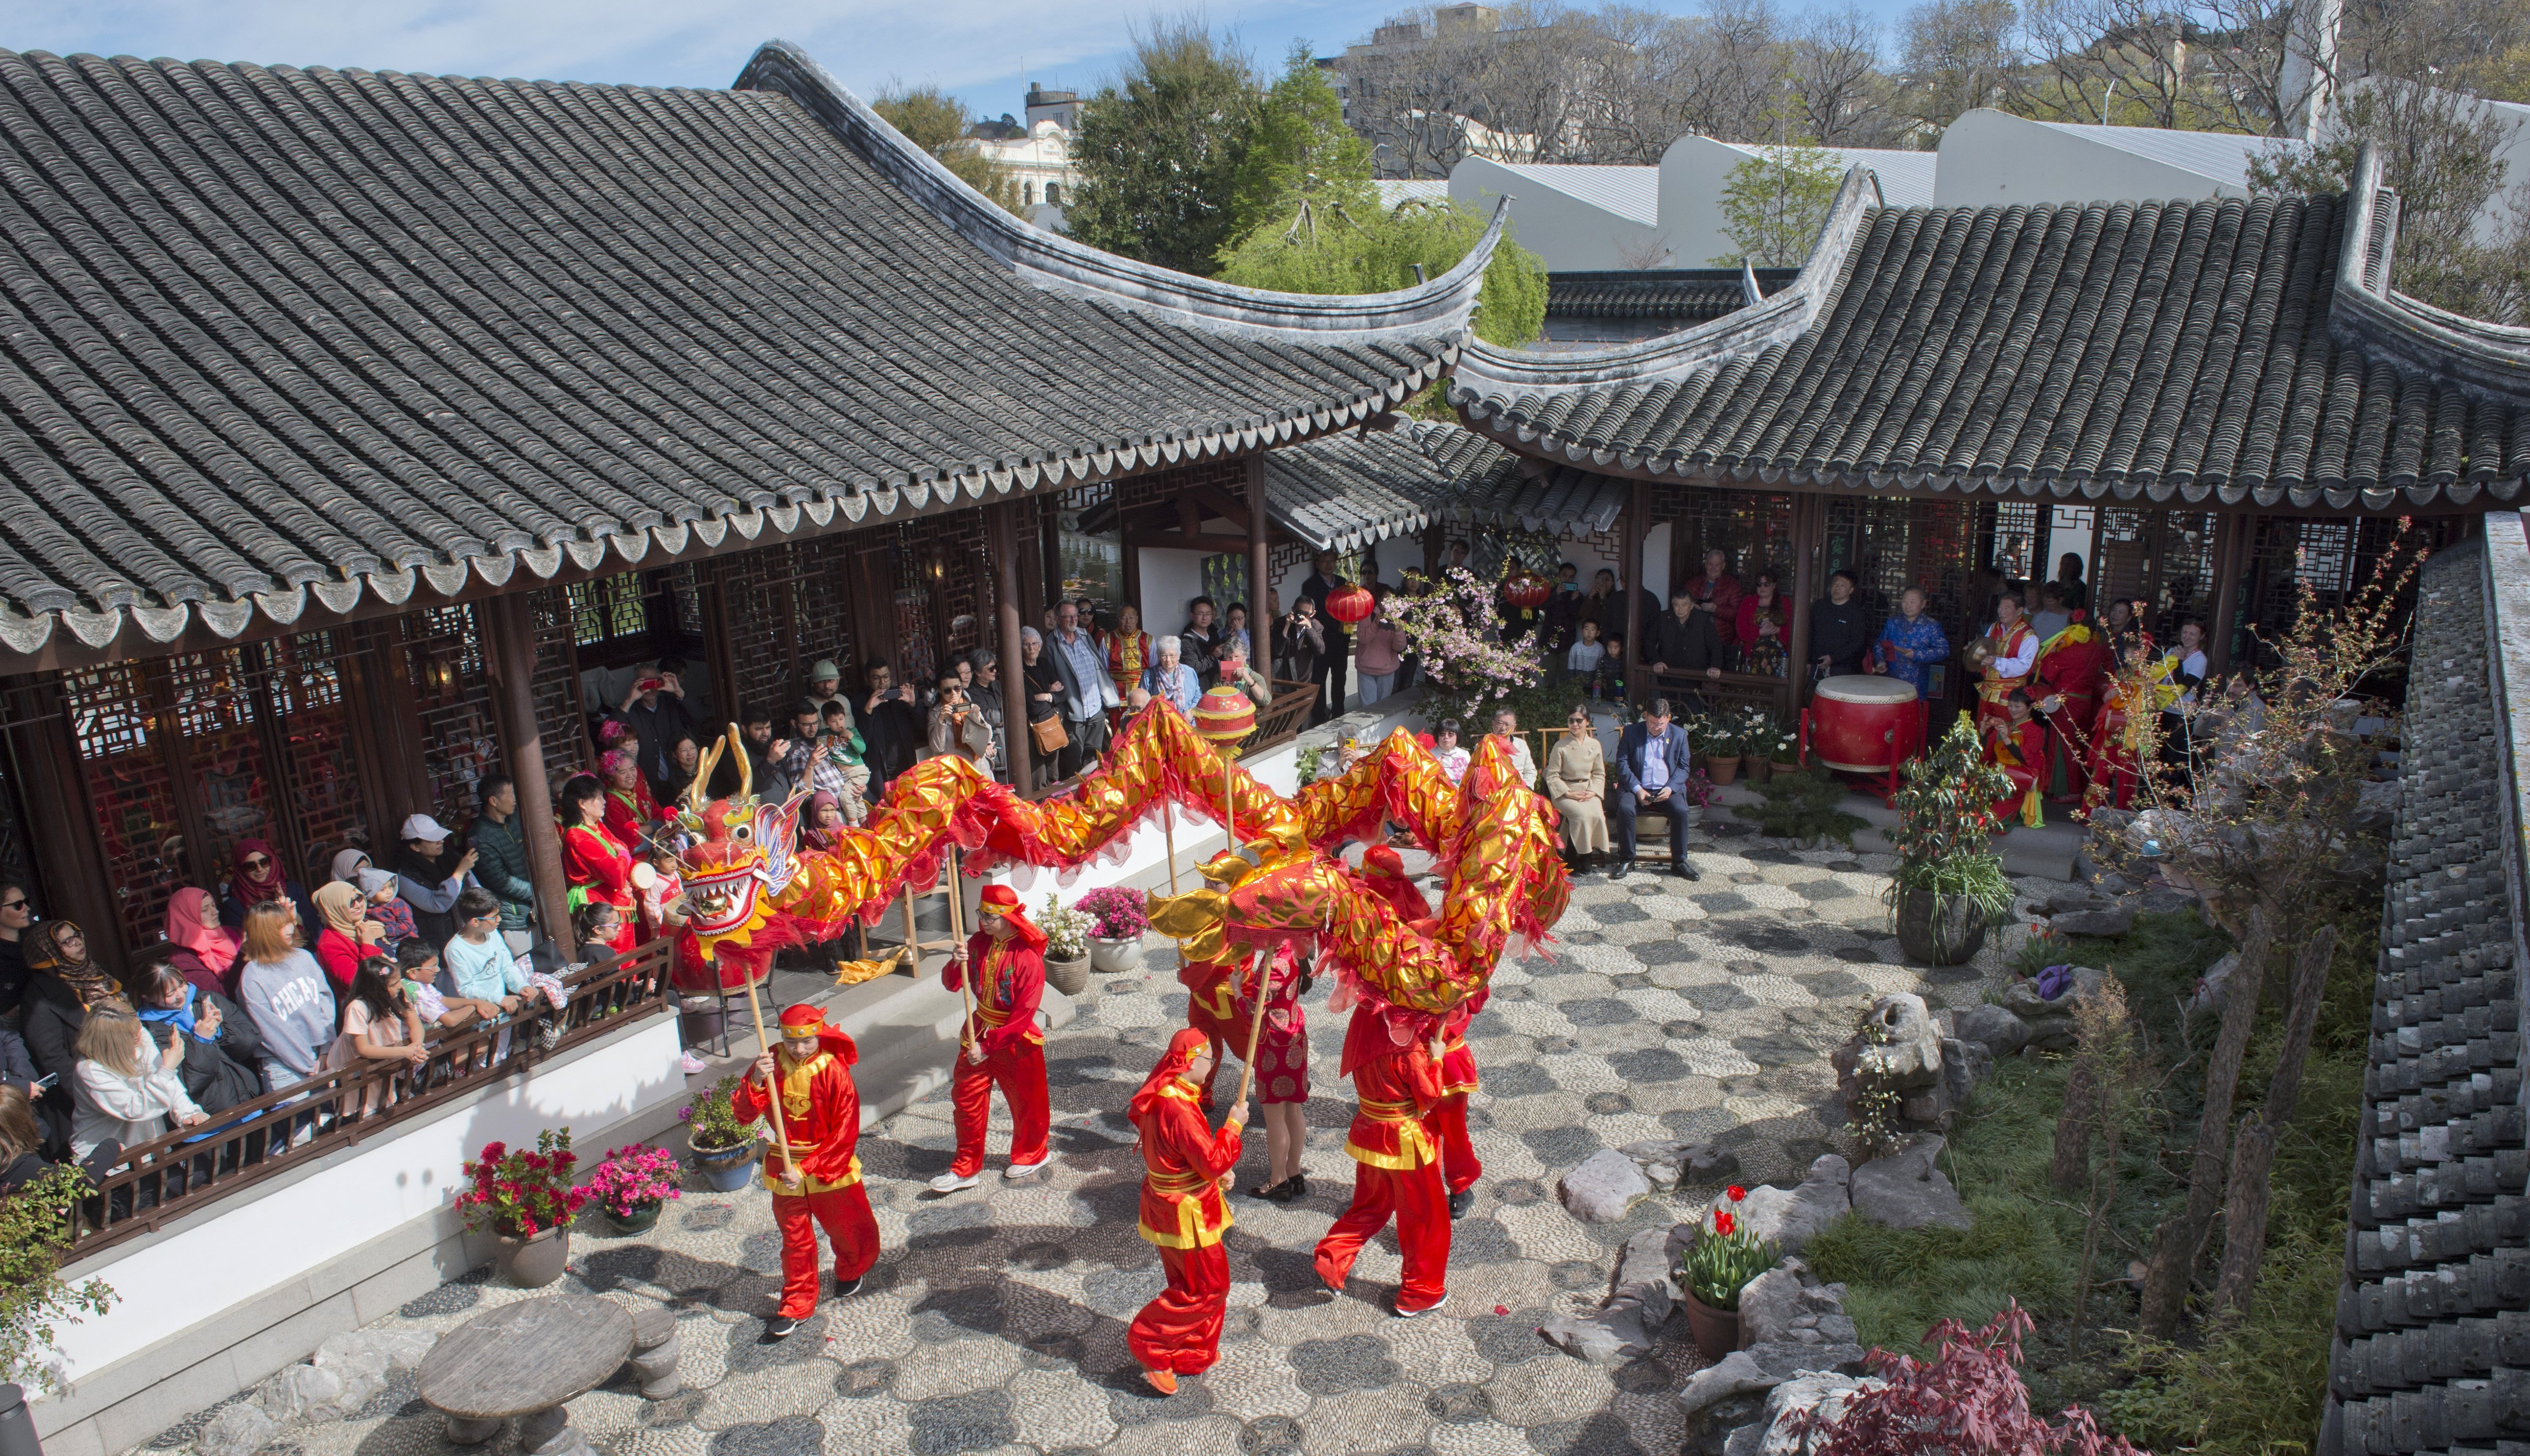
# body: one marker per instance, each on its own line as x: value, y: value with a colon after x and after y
x: 740, y: 855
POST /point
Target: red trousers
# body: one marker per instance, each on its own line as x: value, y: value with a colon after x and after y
x: 1421, y: 1207
x: 1020, y: 1074
x: 1459, y: 1168
x: 846, y: 1214
x: 1180, y: 1331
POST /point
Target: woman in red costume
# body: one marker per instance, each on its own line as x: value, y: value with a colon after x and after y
x: 1281, y: 1070
x: 2017, y: 745
x: 630, y: 812
x: 2135, y: 691
x: 2066, y: 683
x: 1000, y: 1046
x: 594, y: 863
x: 1184, y: 1214
x: 821, y: 1122
x: 1388, y: 1053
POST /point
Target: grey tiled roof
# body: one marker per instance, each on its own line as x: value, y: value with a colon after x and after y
x: 2433, y: 1344
x: 2173, y: 352
x: 269, y: 334
x: 1683, y: 295
x: 1343, y: 491
x: 1490, y: 485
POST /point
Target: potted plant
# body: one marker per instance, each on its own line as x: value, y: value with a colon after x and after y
x: 633, y: 1184
x: 528, y: 1201
x: 1066, y: 946
x: 1724, y: 1258
x: 1804, y: 806
x: 1118, y: 920
x: 1718, y: 739
x: 723, y: 1148
x: 1949, y: 885
x: 35, y: 1226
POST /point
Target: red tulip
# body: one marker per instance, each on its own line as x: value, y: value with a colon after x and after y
x: 1723, y: 1224
x: 1736, y: 1192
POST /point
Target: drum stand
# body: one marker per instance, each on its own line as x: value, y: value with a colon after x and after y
x: 1883, y: 784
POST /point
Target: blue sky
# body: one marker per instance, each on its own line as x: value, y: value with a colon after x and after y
x: 984, y: 52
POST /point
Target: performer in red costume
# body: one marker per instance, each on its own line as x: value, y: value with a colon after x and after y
x: 1212, y: 1008
x: 1459, y: 1168
x: 1000, y: 1047
x: 2013, y: 650
x: 2071, y: 665
x: 2017, y: 745
x: 1388, y: 1053
x: 821, y: 1117
x: 1184, y: 1214
x: 1383, y: 870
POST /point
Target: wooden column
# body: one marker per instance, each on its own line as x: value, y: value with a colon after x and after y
x: 1806, y: 518
x: 1637, y: 508
x: 78, y: 884
x: 2234, y: 538
x: 511, y: 662
x: 1002, y: 544
x: 1133, y: 584
x: 1260, y: 559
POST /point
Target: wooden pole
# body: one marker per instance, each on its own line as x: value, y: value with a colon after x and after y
x: 1001, y: 540
x: 1804, y: 585
x: 773, y: 1085
x: 957, y: 934
x: 1264, y: 969
x: 1168, y: 837
x: 513, y: 659
x: 1260, y: 569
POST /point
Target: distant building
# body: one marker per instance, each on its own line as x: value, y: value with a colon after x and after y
x: 1991, y: 157
x: 1401, y: 87
x: 1037, y: 154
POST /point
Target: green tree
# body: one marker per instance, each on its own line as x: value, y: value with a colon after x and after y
x: 1342, y: 253
x: 1300, y: 153
x: 938, y: 123
x: 35, y: 1224
x: 1160, y: 149
x: 1775, y: 204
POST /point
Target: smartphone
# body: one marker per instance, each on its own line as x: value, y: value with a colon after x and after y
x: 45, y: 1082
x: 649, y: 684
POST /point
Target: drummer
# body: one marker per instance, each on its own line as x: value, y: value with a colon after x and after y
x: 1840, y: 629
x: 1911, y: 643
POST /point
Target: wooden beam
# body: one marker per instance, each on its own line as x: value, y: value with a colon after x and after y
x: 1630, y: 582
x: 1001, y: 543
x: 2233, y: 538
x: 78, y: 884
x: 1260, y: 569
x: 1807, y: 517
x: 510, y: 660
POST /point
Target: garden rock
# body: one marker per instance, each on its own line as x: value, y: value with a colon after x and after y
x: 1827, y: 1394
x: 1792, y: 1217
x: 1736, y: 1374
x: 2163, y: 900
x: 1669, y: 1162
x: 1786, y: 1305
x: 1904, y: 1190
x: 1898, y: 1048
x: 1603, y: 1187
x: 1964, y: 1063
x: 1994, y: 1028
x: 2051, y: 1022
x: 2065, y: 900
x: 2207, y: 998
x: 303, y: 1392
x: 241, y: 1429
x: 1644, y: 1295
x: 2115, y: 920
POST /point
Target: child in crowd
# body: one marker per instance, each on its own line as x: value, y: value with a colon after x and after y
x: 1582, y: 661
x: 387, y: 909
x: 419, y: 965
x: 1608, y: 680
x: 601, y: 929
x: 836, y: 765
x: 1445, y: 747
x: 380, y: 1023
x: 484, y: 969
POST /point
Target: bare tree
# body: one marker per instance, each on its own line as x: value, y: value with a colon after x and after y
x: 2106, y: 62
x: 1731, y: 71
x: 1957, y: 55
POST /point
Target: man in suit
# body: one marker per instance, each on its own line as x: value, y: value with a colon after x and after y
x: 1651, y: 764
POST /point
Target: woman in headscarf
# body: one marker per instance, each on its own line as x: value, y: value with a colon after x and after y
x: 62, y: 986
x: 630, y: 809
x: 1184, y: 1214
x: 206, y: 950
x: 255, y: 877
x: 347, y: 935
x: 348, y: 863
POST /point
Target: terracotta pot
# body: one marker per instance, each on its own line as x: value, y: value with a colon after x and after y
x: 1721, y: 770
x: 639, y: 1221
x: 726, y: 1169
x: 1759, y: 770
x: 1942, y: 929
x: 1071, y: 977
x: 1715, y: 1331
x: 1113, y: 957
x: 538, y: 1260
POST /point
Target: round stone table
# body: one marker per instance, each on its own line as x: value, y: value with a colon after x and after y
x: 526, y: 1360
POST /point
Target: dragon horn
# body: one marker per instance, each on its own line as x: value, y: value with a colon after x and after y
x: 745, y: 769
x: 694, y: 792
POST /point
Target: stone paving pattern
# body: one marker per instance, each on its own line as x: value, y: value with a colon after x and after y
x: 995, y: 1320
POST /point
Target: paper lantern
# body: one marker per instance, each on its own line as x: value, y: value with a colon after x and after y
x: 1351, y: 604
x: 1225, y: 717
x: 1526, y: 590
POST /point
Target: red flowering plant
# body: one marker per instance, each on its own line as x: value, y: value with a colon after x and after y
x: 1725, y: 1255
x: 521, y: 1194
x: 1966, y: 1402
x: 1119, y: 913
x: 631, y: 1180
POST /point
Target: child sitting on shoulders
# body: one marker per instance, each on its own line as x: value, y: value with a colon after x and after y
x: 387, y: 909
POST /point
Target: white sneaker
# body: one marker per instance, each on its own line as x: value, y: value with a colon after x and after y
x: 1418, y: 1314
x: 693, y: 1065
x: 952, y: 1182
x: 1019, y: 1170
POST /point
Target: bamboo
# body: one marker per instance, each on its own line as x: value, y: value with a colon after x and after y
x: 1168, y: 836
x: 958, y: 935
x: 1264, y: 969
x: 773, y: 1088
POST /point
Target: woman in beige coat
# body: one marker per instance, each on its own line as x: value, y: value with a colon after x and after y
x: 1576, y: 775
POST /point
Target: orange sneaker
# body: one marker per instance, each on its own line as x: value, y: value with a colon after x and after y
x: 1164, y: 1381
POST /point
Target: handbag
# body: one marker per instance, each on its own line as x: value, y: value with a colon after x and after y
x: 1047, y: 734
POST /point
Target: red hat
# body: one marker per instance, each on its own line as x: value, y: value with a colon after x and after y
x: 1380, y: 859
x: 1003, y: 901
x: 805, y: 1019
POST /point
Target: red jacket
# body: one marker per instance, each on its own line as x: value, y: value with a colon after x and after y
x: 1726, y: 595
x: 1458, y: 1064
x: 1744, y: 621
x: 1398, y: 1091
x: 629, y: 820
x: 1009, y: 982
x: 821, y: 1116
x: 338, y: 954
x: 594, y: 860
x: 1183, y: 1161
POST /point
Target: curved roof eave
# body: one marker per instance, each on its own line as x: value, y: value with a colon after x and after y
x: 1050, y: 260
x: 2365, y: 312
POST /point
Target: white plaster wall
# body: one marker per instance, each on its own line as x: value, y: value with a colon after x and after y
x: 1170, y: 581
x: 293, y: 1226
x: 1656, y: 561
x: 1693, y: 173
x: 1571, y: 234
x: 1989, y: 158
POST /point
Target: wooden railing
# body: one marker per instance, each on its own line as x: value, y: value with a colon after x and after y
x: 187, y: 1172
x: 1281, y: 720
x: 1729, y: 690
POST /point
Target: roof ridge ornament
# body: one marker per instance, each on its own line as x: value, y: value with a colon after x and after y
x: 1445, y: 306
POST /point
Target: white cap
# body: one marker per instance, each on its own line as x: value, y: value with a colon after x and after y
x: 422, y: 827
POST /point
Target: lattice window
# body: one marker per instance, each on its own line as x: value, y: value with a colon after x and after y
x: 821, y: 611
x: 2012, y: 531
x: 318, y: 771
x: 131, y: 793
x: 684, y: 583
x: 610, y: 609
x: 217, y: 722
x: 2164, y: 558
x: 562, y: 728
x: 1754, y: 530
x: 443, y: 649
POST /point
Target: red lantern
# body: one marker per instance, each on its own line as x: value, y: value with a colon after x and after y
x: 1225, y: 717
x: 1526, y: 590
x: 1351, y: 604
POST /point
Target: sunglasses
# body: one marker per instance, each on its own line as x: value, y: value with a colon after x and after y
x: 257, y: 862
x: 20, y: 903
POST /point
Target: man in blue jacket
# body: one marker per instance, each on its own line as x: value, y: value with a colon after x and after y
x: 1652, y: 760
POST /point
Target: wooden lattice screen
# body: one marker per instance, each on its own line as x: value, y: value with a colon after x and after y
x: 2164, y: 558
x: 452, y: 698
x: 1755, y: 531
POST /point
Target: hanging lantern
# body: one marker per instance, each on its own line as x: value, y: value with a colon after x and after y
x: 1224, y: 717
x: 1526, y: 590
x: 1350, y: 603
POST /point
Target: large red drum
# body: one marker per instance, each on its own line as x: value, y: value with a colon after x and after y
x: 1864, y: 725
